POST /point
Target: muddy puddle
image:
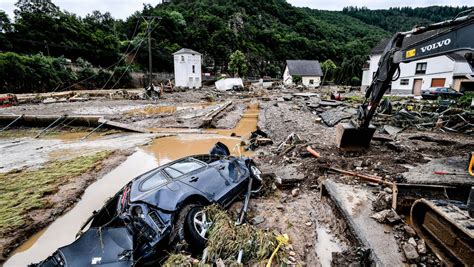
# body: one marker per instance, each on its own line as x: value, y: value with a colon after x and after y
x: 62, y: 231
x: 29, y: 152
x: 326, y: 244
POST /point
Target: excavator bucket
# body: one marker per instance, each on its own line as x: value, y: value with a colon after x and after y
x: 352, y: 138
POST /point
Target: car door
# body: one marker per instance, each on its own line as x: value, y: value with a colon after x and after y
x: 235, y: 174
x: 200, y: 176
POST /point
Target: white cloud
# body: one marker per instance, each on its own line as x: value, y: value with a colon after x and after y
x: 118, y: 8
x: 124, y: 8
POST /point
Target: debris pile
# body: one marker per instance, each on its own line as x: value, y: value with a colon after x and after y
x: 230, y: 244
x: 413, y: 247
x: 449, y: 120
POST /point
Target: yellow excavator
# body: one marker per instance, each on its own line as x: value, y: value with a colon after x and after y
x: 446, y: 226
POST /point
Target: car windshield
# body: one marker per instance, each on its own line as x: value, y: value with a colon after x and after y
x: 153, y: 181
x: 186, y: 166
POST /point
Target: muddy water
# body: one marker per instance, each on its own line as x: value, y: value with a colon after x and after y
x: 62, y: 231
x: 326, y: 244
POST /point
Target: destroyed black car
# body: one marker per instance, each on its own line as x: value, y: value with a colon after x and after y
x: 158, y: 209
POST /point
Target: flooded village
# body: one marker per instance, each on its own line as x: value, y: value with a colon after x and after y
x: 192, y: 168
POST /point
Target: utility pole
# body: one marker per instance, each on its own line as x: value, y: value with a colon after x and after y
x: 150, y: 62
x: 149, y: 21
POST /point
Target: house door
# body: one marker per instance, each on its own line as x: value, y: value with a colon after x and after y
x: 190, y: 82
x: 417, y: 86
x: 438, y: 82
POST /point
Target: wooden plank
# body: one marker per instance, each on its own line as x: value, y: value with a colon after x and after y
x: 211, y: 115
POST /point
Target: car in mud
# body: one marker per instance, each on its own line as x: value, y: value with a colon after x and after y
x: 160, y: 208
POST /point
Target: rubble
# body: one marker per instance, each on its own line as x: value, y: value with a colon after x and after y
x: 383, y: 201
x: 421, y: 246
x: 299, y: 159
x: 410, y: 252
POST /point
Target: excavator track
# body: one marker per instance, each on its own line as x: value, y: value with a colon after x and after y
x: 447, y: 229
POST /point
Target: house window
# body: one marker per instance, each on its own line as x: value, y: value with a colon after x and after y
x: 404, y: 82
x: 420, y: 68
x: 194, y: 69
x: 311, y: 82
x: 182, y: 58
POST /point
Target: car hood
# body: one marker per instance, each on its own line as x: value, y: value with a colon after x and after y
x: 101, y: 247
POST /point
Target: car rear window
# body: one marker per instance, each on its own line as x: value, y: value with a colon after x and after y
x: 186, y: 166
x: 153, y: 181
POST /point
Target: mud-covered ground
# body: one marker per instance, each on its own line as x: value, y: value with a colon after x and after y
x: 296, y: 204
x: 64, y: 198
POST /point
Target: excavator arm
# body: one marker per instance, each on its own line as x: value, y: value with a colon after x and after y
x: 452, y: 36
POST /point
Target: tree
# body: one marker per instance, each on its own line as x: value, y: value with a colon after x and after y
x: 328, y: 67
x: 5, y: 24
x: 43, y: 7
x: 97, y: 20
x: 238, y: 64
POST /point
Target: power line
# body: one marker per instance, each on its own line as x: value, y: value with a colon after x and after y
x: 133, y: 58
x: 115, y: 64
x: 126, y: 51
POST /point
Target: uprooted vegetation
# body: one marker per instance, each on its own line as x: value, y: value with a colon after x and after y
x: 226, y: 240
x: 24, y: 190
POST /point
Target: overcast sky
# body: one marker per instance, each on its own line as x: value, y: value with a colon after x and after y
x: 124, y: 8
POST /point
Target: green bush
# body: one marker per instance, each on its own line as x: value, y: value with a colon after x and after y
x: 466, y: 99
x: 36, y: 73
x: 39, y: 73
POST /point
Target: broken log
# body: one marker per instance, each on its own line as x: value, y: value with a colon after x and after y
x: 369, y: 178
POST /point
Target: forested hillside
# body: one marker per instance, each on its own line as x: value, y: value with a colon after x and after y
x: 403, y: 19
x: 267, y: 32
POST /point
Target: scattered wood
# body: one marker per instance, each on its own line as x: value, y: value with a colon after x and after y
x: 369, y: 178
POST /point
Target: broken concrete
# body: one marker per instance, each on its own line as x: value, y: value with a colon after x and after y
x: 353, y: 203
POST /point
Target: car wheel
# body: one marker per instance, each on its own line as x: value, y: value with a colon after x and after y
x: 196, y: 228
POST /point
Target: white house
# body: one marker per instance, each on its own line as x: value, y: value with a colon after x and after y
x: 443, y: 71
x: 309, y: 71
x: 187, y: 68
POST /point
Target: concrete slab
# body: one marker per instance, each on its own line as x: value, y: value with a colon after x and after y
x: 455, y: 166
x: 353, y: 202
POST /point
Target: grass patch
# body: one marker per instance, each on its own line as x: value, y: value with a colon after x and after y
x: 226, y: 240
x: 78, y: 132
x: 183, y: 261
x: 25, y: 190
